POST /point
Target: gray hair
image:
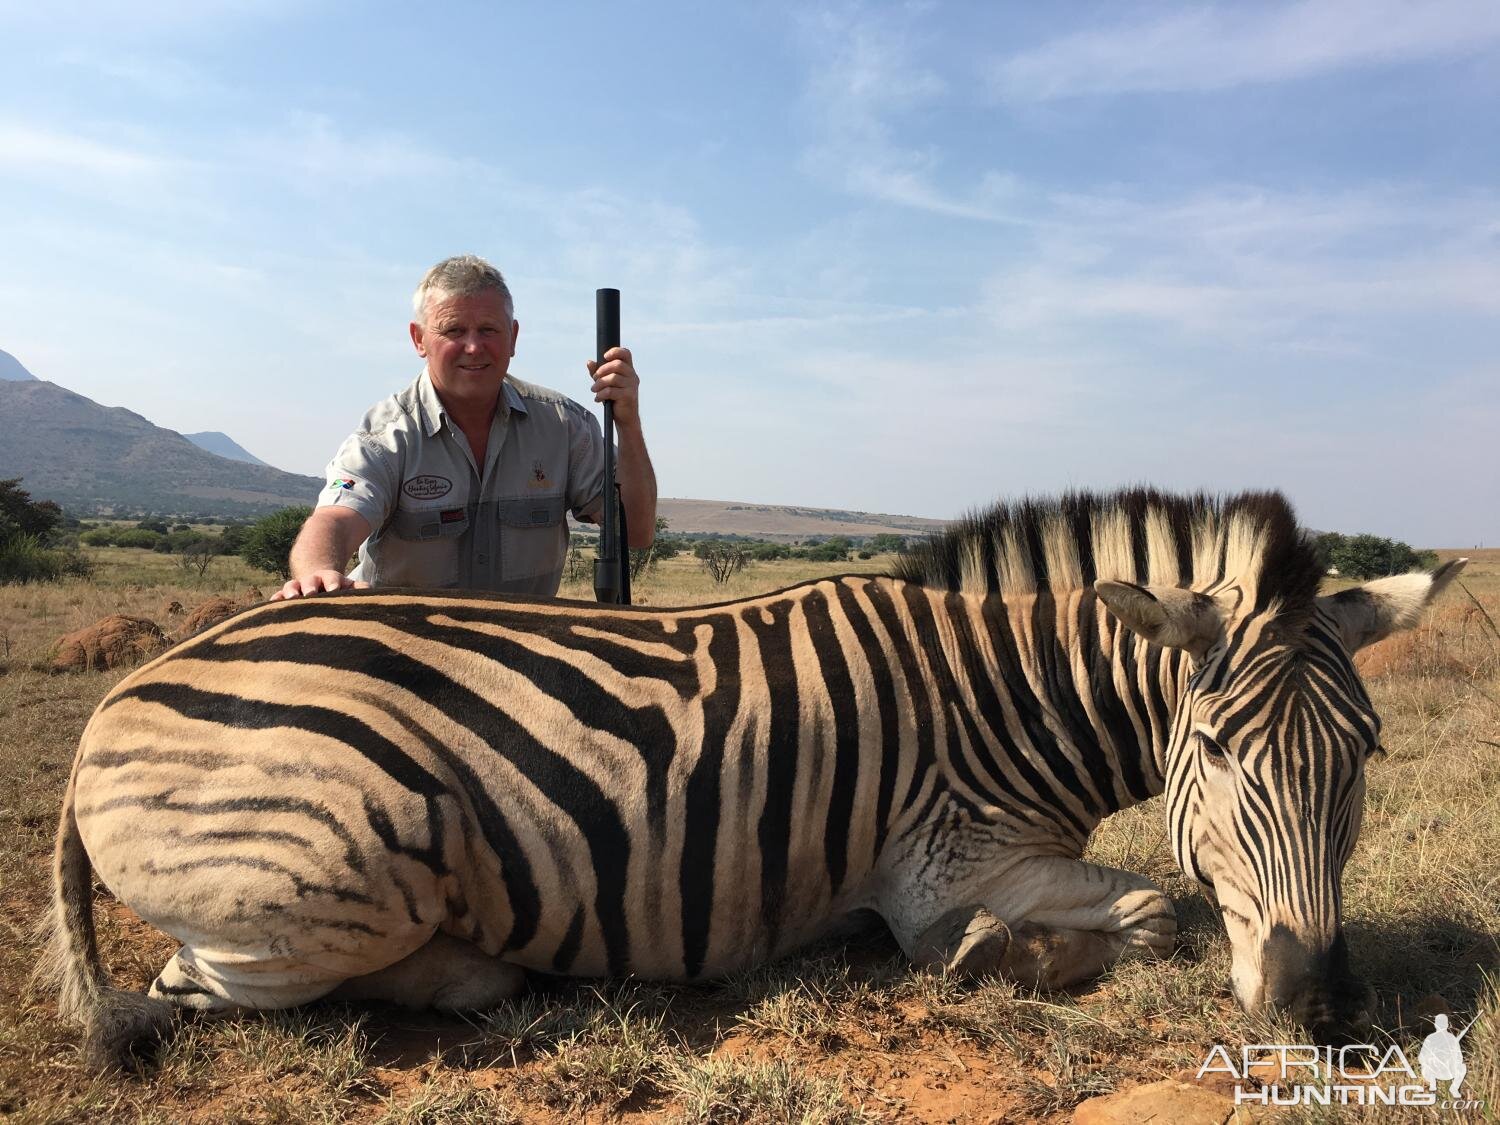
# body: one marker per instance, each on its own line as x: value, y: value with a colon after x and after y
x: 463, y: 276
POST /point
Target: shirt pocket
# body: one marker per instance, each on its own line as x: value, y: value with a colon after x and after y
x: 533, y: 539
x: 427, y: 554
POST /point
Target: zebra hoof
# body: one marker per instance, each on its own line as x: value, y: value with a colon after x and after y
x: 965, y: 942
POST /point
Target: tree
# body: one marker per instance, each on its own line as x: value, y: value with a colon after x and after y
x: 721, y: 558
x: 268, y: 542
x: 21, y: 515
x: 645, y: 558
x: 232, y: 538
x: 886, y: 543
x: 27, y: 529
x: 197, y: 554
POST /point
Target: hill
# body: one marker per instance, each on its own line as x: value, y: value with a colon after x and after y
x: 12, y: 369
x: 222, y: 445
x: 782, y: 523
x: 95, y: 459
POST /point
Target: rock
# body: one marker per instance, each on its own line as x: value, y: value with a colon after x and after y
x: 209, y: 613
x: 116, y: 641
x: 1162, y: 1103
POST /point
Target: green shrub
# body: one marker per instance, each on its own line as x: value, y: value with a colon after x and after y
x: 1370, y: 556
x: 232, y: 539
x: 268, y: 541
x: 23, y: 558
x: 28, y: 530
x: 137, y: 537
x: 98, y: 537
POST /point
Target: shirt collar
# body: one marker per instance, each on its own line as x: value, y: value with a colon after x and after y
x: 433, y: 414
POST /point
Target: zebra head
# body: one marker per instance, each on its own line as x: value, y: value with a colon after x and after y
x: 1265, y: 773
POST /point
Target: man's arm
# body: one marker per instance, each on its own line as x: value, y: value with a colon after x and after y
x: 637, y: 482
x: 323, y: 547
x: 616, y: 381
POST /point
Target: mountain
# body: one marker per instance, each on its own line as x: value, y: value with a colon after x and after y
x: 11, y: 368
x: 222, y: 445
x: 95, y: 459
x: 98, y: 460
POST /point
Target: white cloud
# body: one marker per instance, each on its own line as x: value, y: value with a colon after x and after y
x: 1226, y: 45
x: 26, y: 148
x: 864, y: 75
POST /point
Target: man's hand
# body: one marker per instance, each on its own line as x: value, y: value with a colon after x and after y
x: 615, y: 381
x: 316, y: 583
x: 326, y: 541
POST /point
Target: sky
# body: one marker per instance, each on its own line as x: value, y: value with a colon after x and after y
x: 903, y: 258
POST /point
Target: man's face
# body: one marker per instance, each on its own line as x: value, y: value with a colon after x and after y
x: 467, y: 343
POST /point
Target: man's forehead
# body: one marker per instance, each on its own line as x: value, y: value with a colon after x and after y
x: 488, y: 305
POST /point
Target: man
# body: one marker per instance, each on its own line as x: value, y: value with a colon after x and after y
x: 462, y: 479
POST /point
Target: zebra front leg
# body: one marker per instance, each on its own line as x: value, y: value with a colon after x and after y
x: 1071, y: 920
x: 1046, y: 922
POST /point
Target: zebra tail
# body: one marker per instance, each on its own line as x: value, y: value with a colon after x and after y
x: 115, y: 1022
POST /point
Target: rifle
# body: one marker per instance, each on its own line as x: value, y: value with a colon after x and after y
x: 612, y: 568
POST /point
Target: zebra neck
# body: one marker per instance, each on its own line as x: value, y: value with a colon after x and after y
x: 1076, y: 710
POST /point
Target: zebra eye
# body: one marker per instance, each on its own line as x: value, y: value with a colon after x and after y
x: 1212, y: 751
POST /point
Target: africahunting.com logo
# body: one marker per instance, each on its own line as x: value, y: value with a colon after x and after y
x: 1357, y: 1074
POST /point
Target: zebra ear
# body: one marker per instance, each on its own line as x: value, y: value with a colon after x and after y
x: 1165, y: 615
x: 1368, y: 613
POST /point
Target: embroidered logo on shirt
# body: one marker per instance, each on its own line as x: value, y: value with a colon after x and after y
x: 451, y: 515
x: 427, y: 487
x: 341, y: 482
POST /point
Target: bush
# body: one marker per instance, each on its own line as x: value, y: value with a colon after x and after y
x: 1370, y: 556
x: 98, y: 537
x: 232, y: 539
x: 268, y: 541
x: 24, y: 559
x: 27, y: 530
x: 140, y: 537
x: 721, y: 558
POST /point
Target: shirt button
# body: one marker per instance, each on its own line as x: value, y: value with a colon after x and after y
x: 483, y: 560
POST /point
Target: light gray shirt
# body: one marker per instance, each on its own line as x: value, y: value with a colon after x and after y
x: 439, y: 519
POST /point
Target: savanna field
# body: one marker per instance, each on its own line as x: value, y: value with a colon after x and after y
x: 845, y: 1032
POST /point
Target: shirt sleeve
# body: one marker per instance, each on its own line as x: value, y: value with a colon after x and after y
x: 585, y: 465
x: 363, y: 475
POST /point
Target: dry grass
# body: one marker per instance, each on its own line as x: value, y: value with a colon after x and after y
x: 844, y: 1033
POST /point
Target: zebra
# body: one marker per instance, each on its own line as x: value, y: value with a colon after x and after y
x: 418, y: 796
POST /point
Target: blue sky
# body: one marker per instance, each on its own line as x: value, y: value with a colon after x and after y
x: 896, y: 257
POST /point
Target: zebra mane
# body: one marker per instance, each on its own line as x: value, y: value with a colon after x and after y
x: 1135, y: 535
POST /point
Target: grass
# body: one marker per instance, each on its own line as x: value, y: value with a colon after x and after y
x: 845, y: 1032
